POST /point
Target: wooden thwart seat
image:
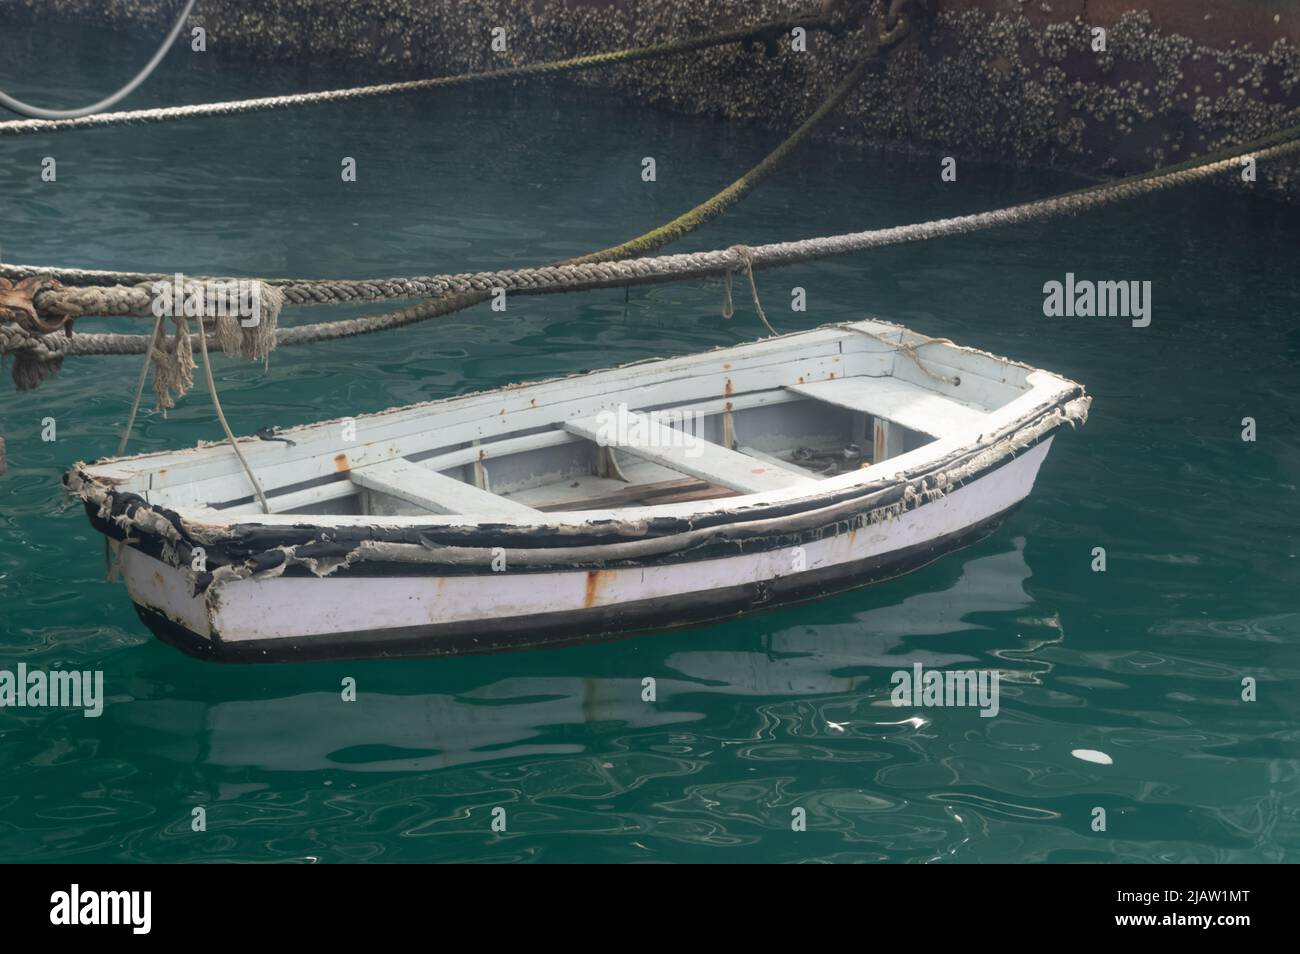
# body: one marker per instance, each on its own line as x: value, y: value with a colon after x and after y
x: 687, y: 454
x: 433, y: 491
x: 907, y: 404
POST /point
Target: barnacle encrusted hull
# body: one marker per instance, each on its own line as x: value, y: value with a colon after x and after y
x: 1028, y: 81
x: 652, y: 495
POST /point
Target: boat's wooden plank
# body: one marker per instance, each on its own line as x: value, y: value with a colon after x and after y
x: 737, y: 402
x: 283, y: 503
x: 646, y: 437
x: 691, y: 496
x: 181, y: 467
x: 638, y: 493
x: 887, y: 440
x: 433, y: 491
x: 908, y: 404
x: 986, y: 381
x: 1045, y: 389
x: 342, y: 488
x: 441, y: 430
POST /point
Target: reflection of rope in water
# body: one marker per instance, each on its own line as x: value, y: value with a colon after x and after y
x: 36, y: 112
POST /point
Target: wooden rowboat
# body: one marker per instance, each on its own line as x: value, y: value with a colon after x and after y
x: 651, y: 495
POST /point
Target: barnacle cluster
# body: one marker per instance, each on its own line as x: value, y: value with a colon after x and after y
x: 1001, y: 79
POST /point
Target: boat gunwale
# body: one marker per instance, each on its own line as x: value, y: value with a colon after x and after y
x: 249, y: 550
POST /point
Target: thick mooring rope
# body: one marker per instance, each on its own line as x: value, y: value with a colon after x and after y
x: 580, y: 275
x: 134, y: 299
x: 42, y: 355
x: 459, y: 291
x: 550, y: 68
x: 639, y: 271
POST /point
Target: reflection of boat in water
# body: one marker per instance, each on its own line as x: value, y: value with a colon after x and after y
x: 803, y: 658
x: 649, y: 496
x: 512, y: 718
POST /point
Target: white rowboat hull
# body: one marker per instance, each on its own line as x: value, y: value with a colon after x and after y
x: 287, y: 618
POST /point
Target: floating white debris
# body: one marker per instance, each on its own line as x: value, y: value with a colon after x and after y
x: 1092, y: 755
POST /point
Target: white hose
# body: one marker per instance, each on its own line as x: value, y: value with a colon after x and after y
x: 36, y: 112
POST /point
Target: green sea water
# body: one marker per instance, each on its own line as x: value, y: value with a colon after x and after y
x: 756, y: 717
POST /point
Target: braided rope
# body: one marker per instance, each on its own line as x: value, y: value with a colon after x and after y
x: 566, y: 276
x: 607, y: 268
x: 579, y: 276
x: 23, y: 127
x: 325, y: 291
x: 135, y: 300
x: 601, y: 274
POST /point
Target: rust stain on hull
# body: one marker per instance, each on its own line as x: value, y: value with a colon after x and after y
x: 592, y: 589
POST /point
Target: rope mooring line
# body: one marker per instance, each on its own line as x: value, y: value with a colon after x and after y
x: 135, y: 299
x: 577, y: 276
x: 40, y: 355
x: 139, y: 392
x: 131, y: 301
x: 550, y: 68
x: 459, y: 291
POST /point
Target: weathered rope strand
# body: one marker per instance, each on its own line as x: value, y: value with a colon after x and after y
x: 602, y: 274
x: 578, y: 277
x: 135, y: 300
x: 747, y: 256
x: 549, y: 68
x: 451, y: 293
x: 599, y: 273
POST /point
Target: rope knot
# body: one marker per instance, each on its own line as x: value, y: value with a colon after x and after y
x: 18, y: 304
